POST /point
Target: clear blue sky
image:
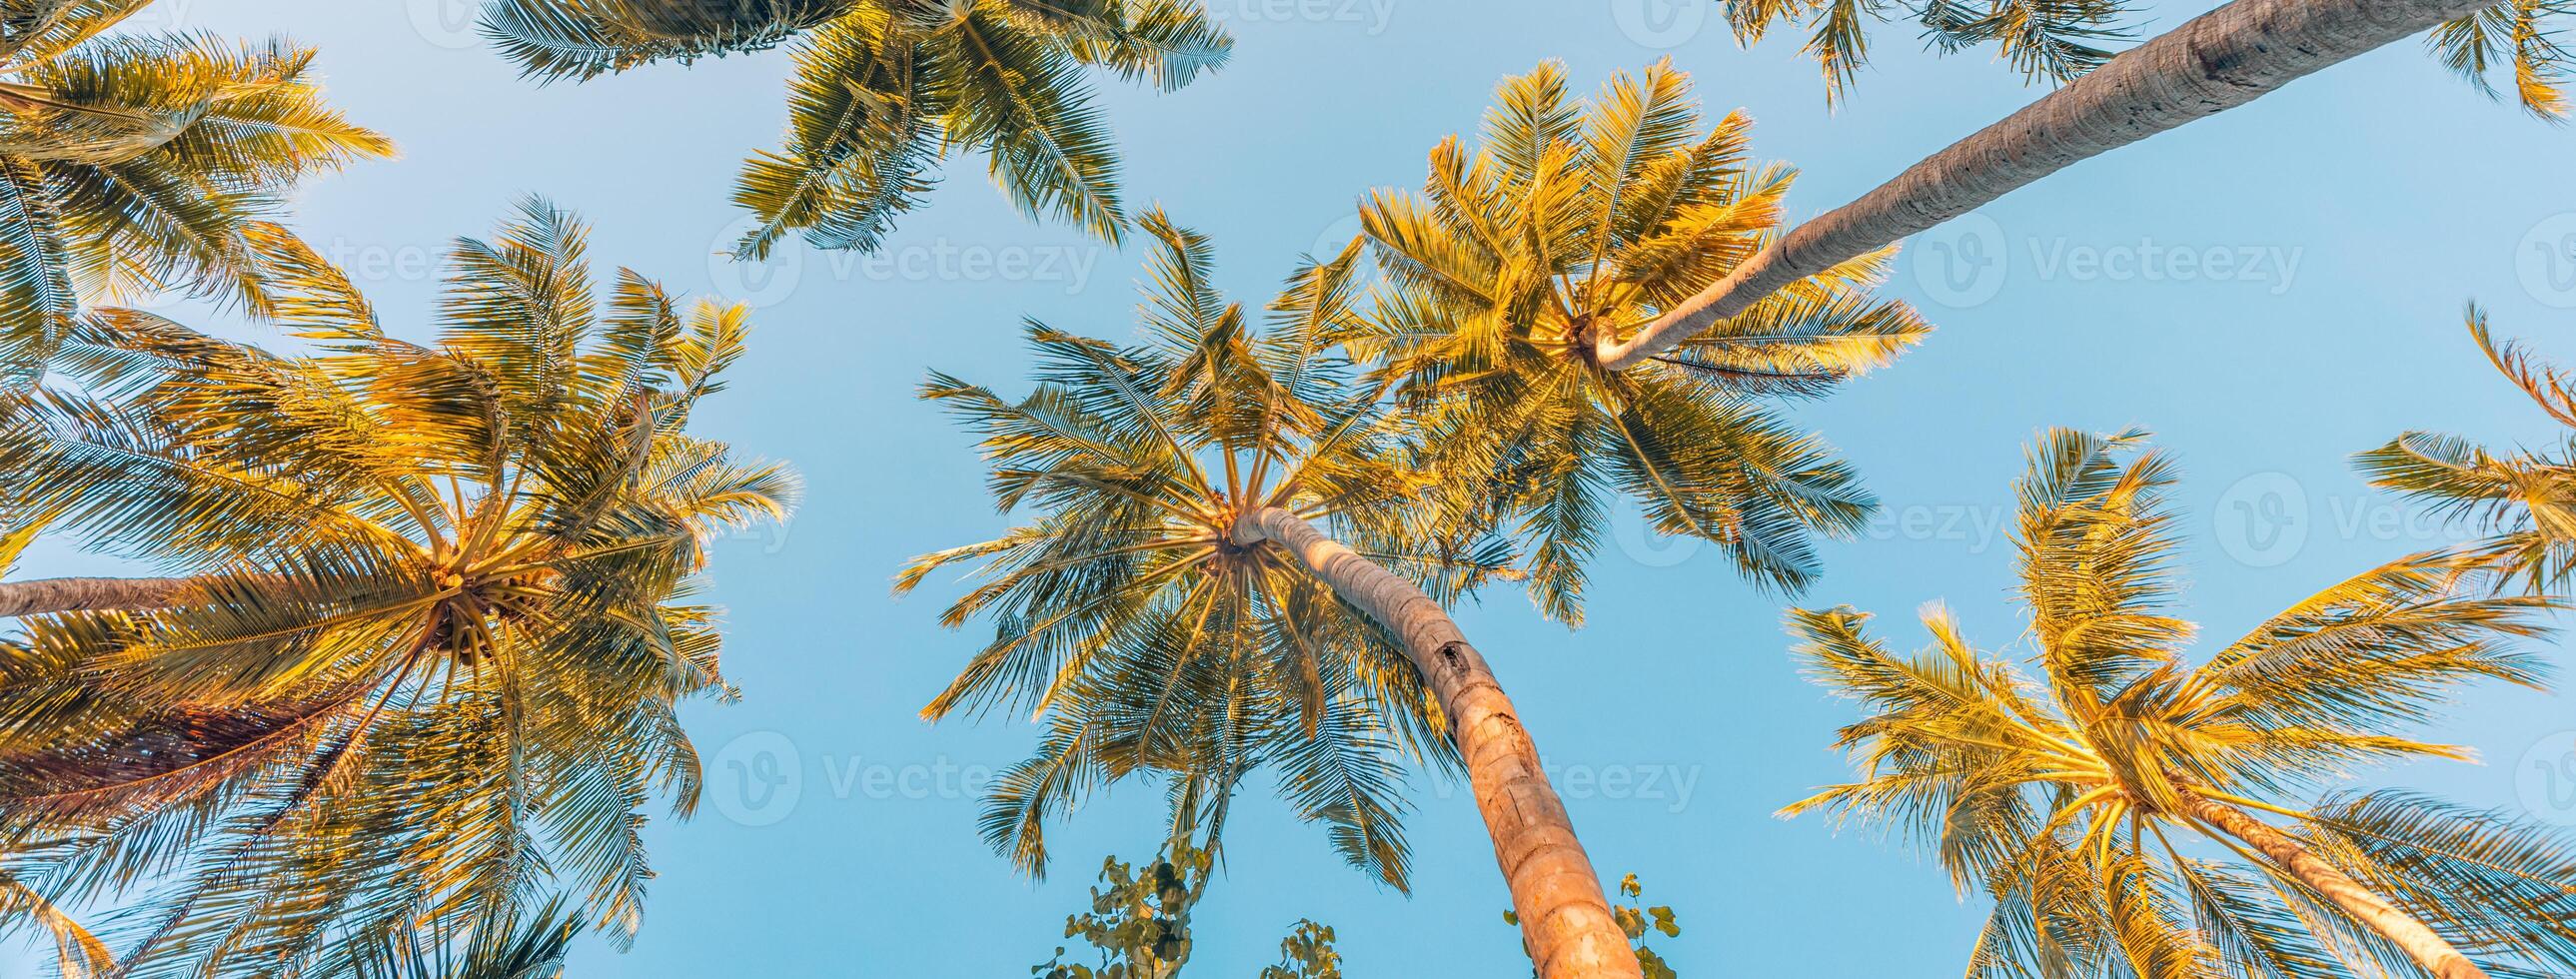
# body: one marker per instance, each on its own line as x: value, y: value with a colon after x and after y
x: 2370, y: 201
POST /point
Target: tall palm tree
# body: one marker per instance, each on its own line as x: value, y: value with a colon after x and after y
x: 2060, y: 40
x: 2528, y: 497
x: 2131, y: 813
x: 2215, y: 62
x: 141, y: 161
x: 1574, y: 222
x: 1174, y: 606
x: 430, y: 616
x: 884, y: 88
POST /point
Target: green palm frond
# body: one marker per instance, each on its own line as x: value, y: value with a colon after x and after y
x: 2085, y: 788
x: 883, y: 90
x: 2525, y: 499
x: 2517, y: 35
x: 135, y: 162
x: 438, y: 614
x: 1143, y: 639
x: 1569, y: 224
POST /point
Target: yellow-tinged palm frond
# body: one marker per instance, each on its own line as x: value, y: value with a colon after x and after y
x: 438, y: 614
x: 2043, y: 40
x: 884, y: 89
x: 2526, y: 499
x: 130, y: 163
x: 77, y: 953
x: 2067, y: 796
x: 1127, y: 620
x: 1572, y: 223
x: 2520, y: 36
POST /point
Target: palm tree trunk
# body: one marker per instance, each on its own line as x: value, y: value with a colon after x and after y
x: 43, y: 596
x: 2421, y: 944
x: 2217, y: 61
x: 1565, y: 921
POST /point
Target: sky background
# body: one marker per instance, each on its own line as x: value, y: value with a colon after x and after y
x: 2355, y: 212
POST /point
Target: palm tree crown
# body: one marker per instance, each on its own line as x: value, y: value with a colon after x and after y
x: 1126, y: 614
x: 884, y: 88
x: 2099, y: 803
x: 140, y: 161
x: 2528, y: 496
x: 1574, y: 223
x: 436, y: 619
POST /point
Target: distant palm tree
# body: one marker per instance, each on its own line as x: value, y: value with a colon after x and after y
x: 2528, y: 497
x: 1574, y: 222
x: 1171, y: 606
x: 2133, y: 814
x: 2215, y: 62
x: 431, y: 617
x: 884, y: 88
x: 140, y: 161
x: 2059, y: 40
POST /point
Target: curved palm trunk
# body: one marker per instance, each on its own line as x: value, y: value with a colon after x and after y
x: 2421, y: 944
x: 44, y: 596
x: 1565, y: 921
x: 2217, y: 61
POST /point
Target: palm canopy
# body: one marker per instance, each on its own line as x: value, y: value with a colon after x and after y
x: 2058, y: 40
x: 1128, y: 619
x: 2528, y: 496
x: 141, y: 161
x: 884, y: 88
x: 2069, y: 796
x: 438, y: 618
x: 1574, y: 222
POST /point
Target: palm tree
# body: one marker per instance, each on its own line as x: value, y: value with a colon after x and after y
x: 1574, y: 222
x: 2215, y: 62
x: 2134, y: 814
x: 1173, y: 606
x: 141, y: 161
x: 2060, y: 40
x: 431, y: 617
x: 884, y: 88
x: 2528, y: 497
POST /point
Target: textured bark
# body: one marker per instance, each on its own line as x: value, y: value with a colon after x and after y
x: 2217, y: 61
x: 1565, y: 921
x: 2421, y: 944
x: 47, y: 595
